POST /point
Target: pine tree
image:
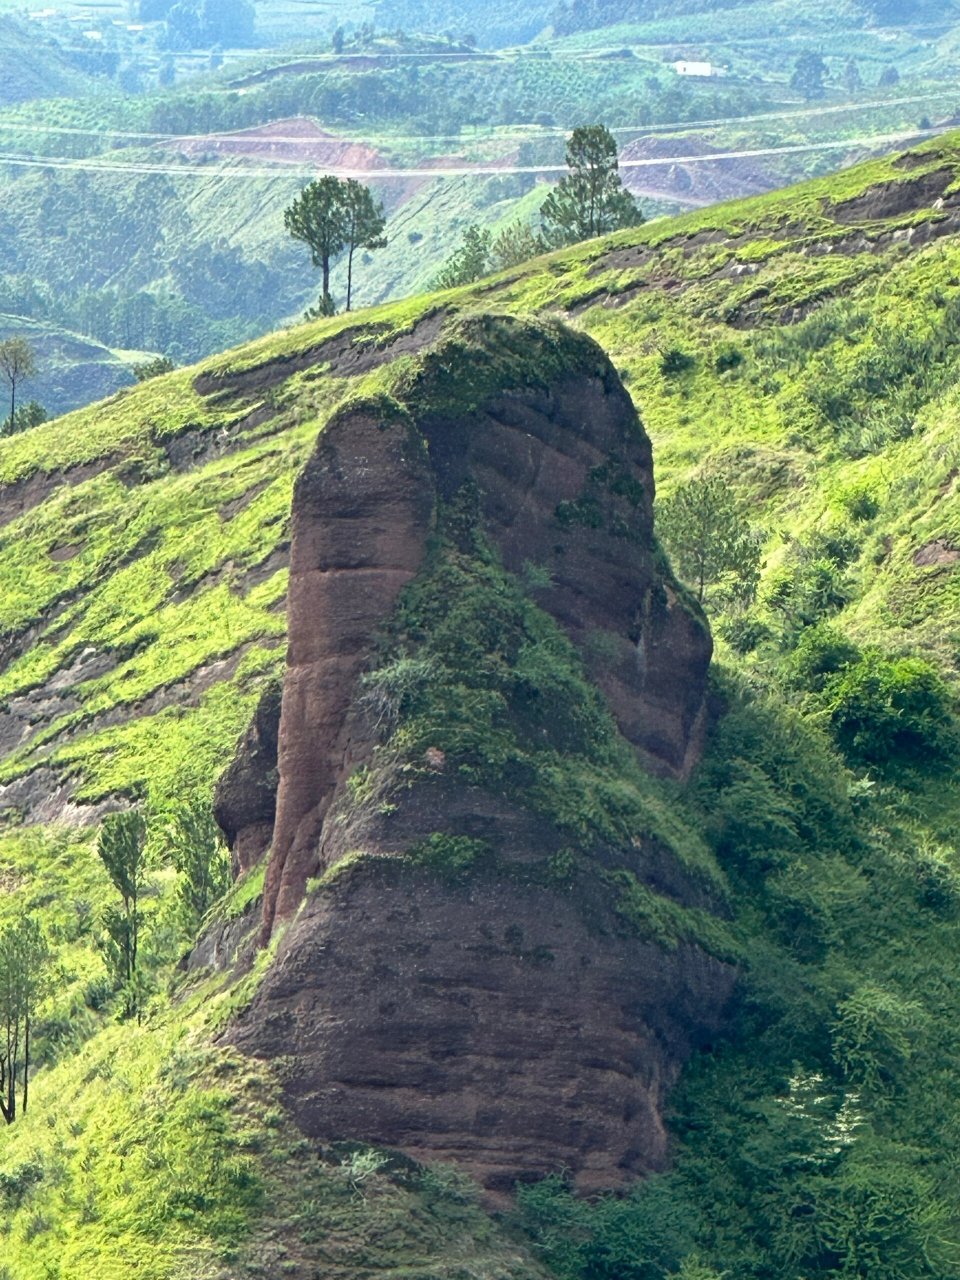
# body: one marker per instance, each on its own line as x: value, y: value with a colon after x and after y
x: 364, y: 222
x: 317, y: 218
x: 705, y: 533
x: 591, y: 200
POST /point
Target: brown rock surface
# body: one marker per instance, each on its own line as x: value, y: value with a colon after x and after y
x: 493, y: 1020
x: 362, y: 510
x: 245, y: 802
x: 487, y: 1025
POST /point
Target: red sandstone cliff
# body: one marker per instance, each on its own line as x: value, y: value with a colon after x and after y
x: 496, y: 1019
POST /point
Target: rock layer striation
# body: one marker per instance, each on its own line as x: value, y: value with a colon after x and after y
x: 499, y: 1016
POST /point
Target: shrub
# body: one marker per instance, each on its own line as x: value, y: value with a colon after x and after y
x: 16, y: 1183
x: 822, y: 651
x: 727, y: 358
x: 744, y: 633
x: 891, y: 711
x: 675, y: 362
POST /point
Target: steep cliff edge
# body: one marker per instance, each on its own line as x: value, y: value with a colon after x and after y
x: 507, y: 948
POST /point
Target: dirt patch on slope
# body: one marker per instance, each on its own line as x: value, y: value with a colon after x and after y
x: 893, y: 199
x: 352, y: 352
x: 297, y: 140
x: 938, y: 552
x: 675, y: 173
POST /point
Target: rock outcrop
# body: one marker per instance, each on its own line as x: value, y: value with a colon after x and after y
x: 487, y: 1004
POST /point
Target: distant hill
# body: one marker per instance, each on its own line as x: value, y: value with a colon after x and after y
x: 32, y: 67
x: 72, y: 369
x: 500, y: 22
x: 495, y: 23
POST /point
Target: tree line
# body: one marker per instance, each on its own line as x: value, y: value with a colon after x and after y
x: 332, y: 216
x: 129, y: 849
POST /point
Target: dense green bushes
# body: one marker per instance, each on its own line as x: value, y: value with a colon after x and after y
x: 810, y: 1145
x: 892, y: 713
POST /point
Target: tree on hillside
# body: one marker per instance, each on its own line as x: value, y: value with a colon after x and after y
x: 153, y: 368
x: 363, y: 222
x: 590, y: 200
x: 23, y: 961
x: 708, y: 538
x: 317, y: 218
x: 331, y: 215
x: 28, y: 415
x: 852, y: 80
x: 17, y: 365
x: 809, y: 75
x: 889, y: 77
x: 480, y: 253
x: 516, y: 244
x: 468, y: 263
x: 121, y: 848
x: 195, y: 846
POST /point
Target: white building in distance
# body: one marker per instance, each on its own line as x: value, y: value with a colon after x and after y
x: 706, y: 69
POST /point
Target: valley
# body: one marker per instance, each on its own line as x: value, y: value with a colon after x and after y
x: 174, y: 195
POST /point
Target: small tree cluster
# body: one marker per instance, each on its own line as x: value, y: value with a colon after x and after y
x: 331, y: 216
x: 121, y: 848
x: 17, y: 365
x: 194, y: 23
x: 194, y: 845
x: 809, y: 76
x: 481, y: 253
x: 190, y: 840
x: 590, y: 201
x: 28, y: 415
x: 153, y: 368
x: 23, y: 963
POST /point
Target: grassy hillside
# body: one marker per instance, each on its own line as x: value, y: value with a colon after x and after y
x: 34, y: 68
x: 803, y: 346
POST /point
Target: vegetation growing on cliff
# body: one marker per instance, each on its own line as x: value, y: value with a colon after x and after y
x: 142, y: 577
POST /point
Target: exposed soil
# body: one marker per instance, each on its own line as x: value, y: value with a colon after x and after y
x: 893, y: 199
x: 684, y: 180
x: 938, y: 552
x: 297, y: 140
x: 352, y: 352
x: 21, y: 496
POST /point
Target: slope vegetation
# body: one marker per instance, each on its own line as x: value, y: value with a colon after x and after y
x: 804, y: 347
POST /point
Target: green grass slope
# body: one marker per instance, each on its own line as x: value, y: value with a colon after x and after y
x: 34, y: 68
x: 814, y: 346
x: 71, y: 369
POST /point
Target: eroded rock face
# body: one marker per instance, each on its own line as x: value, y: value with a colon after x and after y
x: 487, y: 1025
x: 245, y: 803
x: 362, y: 511
x: 496, y: 1020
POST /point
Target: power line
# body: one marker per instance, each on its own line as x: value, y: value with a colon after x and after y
x: 495, y: 132
x: 245, y: 172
